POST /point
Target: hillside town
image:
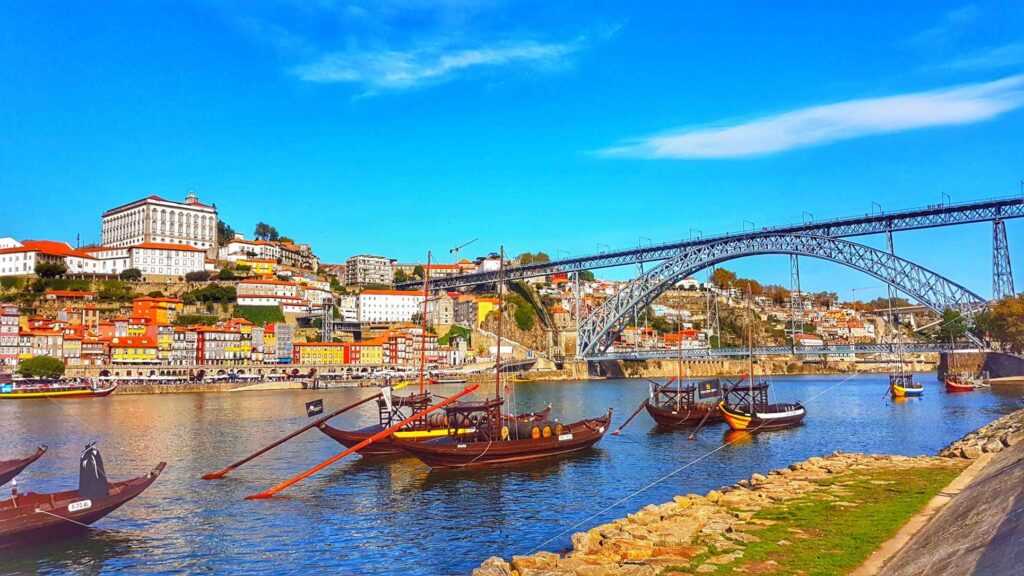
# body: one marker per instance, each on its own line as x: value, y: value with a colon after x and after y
x: 171, y: 285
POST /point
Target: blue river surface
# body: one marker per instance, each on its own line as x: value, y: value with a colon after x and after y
x: 396, y: 516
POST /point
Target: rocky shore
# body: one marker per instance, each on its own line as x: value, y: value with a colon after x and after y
x: 728, y: 528
x: 991, y: 438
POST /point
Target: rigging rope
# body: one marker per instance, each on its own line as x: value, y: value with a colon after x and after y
x: 654, y: 483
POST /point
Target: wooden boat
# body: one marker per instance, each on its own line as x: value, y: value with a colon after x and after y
x: 747, y: 408
x: 480, y: 434
x: 680, y: 407
x: 420, y: 430
x: 11, y: 468
x: 47, y: 388
x: 448, y: 380
x: 903, y: 385
x: 498, y: 440
x: 32, y: 518
x: 957, y: 383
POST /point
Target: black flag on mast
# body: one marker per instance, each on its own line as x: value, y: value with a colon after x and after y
x: 315, y: 408
x: 708, y: 389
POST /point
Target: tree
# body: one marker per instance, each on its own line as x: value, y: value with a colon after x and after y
x: 400, y: 276
x: 243, y: 268
x: 286, y: 240
x: 524, y: 317
x: 131, y: 274
x: 198, y: 276
x: 155, y: 294
x: 722, y: 278
x: 1005, y: 322
x: 225, y: 274
x: 953, y: 326
x: 587, y: 275
x: 265, y: 231
x: 225, y: 233
x: 417, y: 271
x: 41, y: 367
x: 50, y: 269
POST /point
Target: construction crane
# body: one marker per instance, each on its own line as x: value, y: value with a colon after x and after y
x: 455, y: 251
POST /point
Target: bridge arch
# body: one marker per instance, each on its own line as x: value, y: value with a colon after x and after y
x: 598, y: 330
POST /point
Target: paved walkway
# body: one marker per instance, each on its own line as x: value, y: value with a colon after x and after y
x: 980, y: 532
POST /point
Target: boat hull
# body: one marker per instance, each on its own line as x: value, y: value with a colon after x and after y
x: 452, y: 452
x: 387, y: 446
x: 11, y: 468
x: 955, y: 386
x: 761, y: 421
x: 904, y: 392
x: 41, y: 518
x: 57, y: 393
x: 684, y: 417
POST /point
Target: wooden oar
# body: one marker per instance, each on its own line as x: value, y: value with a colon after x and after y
x: 269, y: 493
x: 222, y: 473
x: 618, y: 430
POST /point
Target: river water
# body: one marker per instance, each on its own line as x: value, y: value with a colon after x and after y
x: 397, y: 516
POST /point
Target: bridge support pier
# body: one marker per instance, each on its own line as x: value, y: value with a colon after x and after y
x: 796, y: 301
x: 1002, y: 273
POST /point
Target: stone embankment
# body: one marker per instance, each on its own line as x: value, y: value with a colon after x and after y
x: 701, y: 534
x: 991, y: 438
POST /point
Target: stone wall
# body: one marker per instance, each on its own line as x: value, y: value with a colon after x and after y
x: 993, y: 437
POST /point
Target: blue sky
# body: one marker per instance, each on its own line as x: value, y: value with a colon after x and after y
x: 394, y: 126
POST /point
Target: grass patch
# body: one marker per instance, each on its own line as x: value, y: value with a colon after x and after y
x: 833, y: 530
x: 260, y: 315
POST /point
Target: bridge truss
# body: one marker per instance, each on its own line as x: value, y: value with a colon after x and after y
x: 597, y: 331
x: 933, y: 216
x: 889, y: 350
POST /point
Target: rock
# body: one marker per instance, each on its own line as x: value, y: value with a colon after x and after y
x: 493, y: 566
x: 783, y: 543
x: 538, y: 561
x: 714, y: 496
x: 758, y: 479
x: 970, y: 451
x: 707, y: 568
x: 993, y: 446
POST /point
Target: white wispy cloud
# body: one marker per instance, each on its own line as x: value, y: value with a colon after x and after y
x: 819, y: 125
x: 1005, y: 56
x: 952, y: 25
x: 399, y: 69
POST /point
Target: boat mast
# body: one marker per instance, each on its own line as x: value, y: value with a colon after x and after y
x: 423, y: 323
x: 501, y: 312
x: 750, y: 350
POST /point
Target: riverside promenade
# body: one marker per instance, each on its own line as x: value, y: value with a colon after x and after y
x: 957, y: 513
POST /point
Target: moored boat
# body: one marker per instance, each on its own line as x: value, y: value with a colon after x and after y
x: 481, y: 434
x: 747, y: 408
x: 31, y: 518
x: 680, y: 407
x: 903, y: 385
x: 49, y: 388
x: 499, y: 441
x: 956, y: 383
x: 11, y: 468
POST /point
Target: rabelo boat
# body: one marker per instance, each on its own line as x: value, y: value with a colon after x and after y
x: 747, y: 407
x: 480, y: 434
x: 11, y: 468
x: 31, y: 518
x: 393, y: 409
x: 52, y: 388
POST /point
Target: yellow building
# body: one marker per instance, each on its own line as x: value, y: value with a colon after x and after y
x: 131, y: 350
x: 368, y: 352
x: 318, y: 353
x: 260, y: 267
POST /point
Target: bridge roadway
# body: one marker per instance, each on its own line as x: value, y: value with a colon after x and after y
x: 829, y: 350
x: 933, y: 216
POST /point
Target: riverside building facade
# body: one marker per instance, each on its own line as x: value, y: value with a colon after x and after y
x: 156, y: 220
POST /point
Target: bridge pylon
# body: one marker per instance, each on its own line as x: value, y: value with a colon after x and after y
x: 1002, y: 272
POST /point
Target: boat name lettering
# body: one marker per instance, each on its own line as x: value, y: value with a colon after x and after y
x: 562, y: 437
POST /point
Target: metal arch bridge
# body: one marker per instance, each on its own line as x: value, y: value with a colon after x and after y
x: 597, y: 331
x: 934, y: 216
x: 829, y: 350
